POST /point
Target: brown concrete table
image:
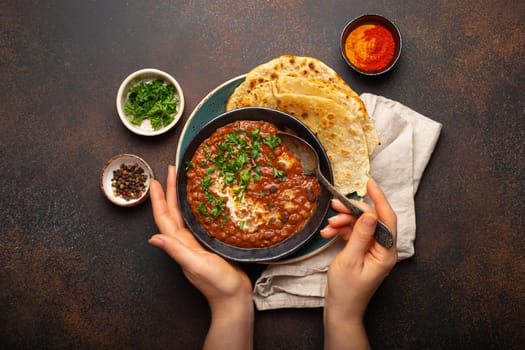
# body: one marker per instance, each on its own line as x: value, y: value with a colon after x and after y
x: 77, y: 272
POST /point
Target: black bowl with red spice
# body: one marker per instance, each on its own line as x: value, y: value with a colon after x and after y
x: 189, y: 184
x: 371, y: 44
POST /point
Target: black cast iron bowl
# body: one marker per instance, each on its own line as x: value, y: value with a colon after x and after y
x: 284, y: 122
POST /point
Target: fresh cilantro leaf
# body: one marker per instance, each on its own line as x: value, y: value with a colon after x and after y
x: 281, y: 175
x: 201, y: 208
x: 272, y: 141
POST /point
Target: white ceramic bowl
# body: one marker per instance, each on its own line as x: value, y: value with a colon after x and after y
x: 147, y: 74
x: 107, y: 175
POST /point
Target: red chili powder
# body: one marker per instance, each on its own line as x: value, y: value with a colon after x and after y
x: 370, y: 47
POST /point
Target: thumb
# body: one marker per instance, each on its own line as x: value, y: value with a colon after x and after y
x: 362, y: 235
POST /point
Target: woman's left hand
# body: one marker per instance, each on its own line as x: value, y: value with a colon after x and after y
x: 226, y: 287
x: 215, y: 277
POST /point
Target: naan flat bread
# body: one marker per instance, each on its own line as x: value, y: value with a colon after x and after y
x: 354, y: 107
x: 342, y: 138
x: 291, y: 66
x: 311, y: 91
x: 307, y: 70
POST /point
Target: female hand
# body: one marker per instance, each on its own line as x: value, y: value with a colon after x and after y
x: 226, y: 287
x: 358, y: 270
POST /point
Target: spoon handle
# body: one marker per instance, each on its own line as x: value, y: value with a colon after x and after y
x: 382, y: 234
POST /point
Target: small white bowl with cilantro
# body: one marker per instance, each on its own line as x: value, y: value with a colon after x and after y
x: 150, y: 102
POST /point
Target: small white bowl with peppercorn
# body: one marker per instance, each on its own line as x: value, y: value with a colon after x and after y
x: 125, y: 180
x: 150, y: 102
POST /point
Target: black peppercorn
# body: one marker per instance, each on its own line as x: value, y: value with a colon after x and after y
x: 129, y: 182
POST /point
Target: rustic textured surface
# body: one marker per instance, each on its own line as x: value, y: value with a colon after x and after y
x: 77, y: 272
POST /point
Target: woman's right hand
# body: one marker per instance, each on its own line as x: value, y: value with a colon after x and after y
x: 358, y: 270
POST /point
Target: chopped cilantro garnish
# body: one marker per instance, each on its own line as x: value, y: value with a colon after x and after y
x: 272, y: 141
x: 256, y: 150
x: 281, y: 175
x: 201, y: 208
x: 241, y: 160
x: 229, y: 178
x: 219, y: 207
x: 245, y: 177
x: 234, y: 138
x: 256, y: 175
x: 209, y: 196
x: 206, y: 182
x: 224, y: 220
x: 153, y: 100
x: 235, y: 162
x: 255, y: 134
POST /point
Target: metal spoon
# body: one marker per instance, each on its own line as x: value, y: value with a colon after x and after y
x: 310, y: 163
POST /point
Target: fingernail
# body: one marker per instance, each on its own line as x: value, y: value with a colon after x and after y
x: 156, y: 242
x: 369, y: 221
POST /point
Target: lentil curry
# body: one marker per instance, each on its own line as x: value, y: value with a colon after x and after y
x: 247, y: 189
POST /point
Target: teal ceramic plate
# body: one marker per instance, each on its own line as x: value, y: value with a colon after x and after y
x: 213, y: 105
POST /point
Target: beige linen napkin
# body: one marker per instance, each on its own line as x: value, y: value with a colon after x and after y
x: 407, y: 141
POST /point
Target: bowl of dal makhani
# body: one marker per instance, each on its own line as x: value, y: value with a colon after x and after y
x: 243, y: 193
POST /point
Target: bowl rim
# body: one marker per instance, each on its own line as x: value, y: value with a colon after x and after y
x: 255, y: 255
x: 106, y: 176
x: 134, y: 78
x: 378, y: 19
